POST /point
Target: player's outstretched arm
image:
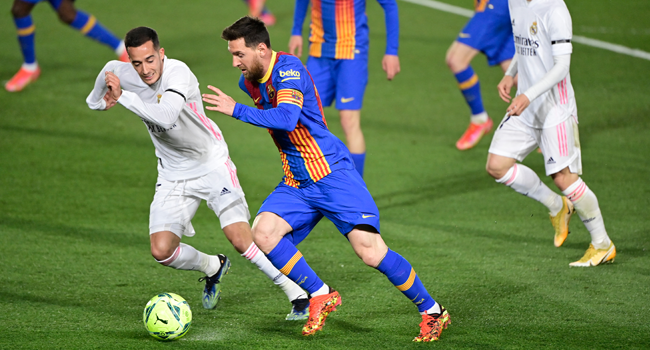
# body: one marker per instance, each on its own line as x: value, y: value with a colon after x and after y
x: 219, y: 101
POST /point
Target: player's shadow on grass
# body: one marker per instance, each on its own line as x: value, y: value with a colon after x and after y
x: 435, y: 189
x: 96, y: 236
x: 66, y: 135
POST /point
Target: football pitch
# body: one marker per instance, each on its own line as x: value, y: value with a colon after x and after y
x: 76, y: 185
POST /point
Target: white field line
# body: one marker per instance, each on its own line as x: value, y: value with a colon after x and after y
x: 576, y: 38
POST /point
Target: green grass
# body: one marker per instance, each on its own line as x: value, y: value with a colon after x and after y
x: 75, y: 189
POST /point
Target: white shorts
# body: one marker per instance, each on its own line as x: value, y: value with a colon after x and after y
x: 175, y: 202
x: 560, y: 144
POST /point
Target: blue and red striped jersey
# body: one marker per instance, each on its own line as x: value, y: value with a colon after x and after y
x: 288, y: 105
x: 339, y: 27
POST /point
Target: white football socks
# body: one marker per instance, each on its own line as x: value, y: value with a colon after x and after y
x: 325, y: 289
x: 435, y: 309
x: 586, y: 204
x: 290, y: 288
x: 186, y: 257
x: 525, y: 181
x: 120, y: 49
x: 30, y: 66
x: 479, y: 118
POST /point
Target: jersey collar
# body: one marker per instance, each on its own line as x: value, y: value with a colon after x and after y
x: 268, y: 72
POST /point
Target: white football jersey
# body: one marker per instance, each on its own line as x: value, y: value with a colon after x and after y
x: 542, y: 29
x: 188, y: 144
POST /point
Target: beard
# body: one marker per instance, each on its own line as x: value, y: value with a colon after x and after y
x: 254, y: 72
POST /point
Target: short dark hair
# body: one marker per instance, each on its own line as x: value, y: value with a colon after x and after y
x: 251, y: 29
x: 140, y: 35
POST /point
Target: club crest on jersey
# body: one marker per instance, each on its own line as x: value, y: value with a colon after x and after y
x: 533, y: 28
x: 159, y: 97
x: 270, y: 91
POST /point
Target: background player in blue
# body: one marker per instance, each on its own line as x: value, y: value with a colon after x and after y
x: 319, y: 178
x: 489, y: 31
x: 87, y: 24
x: 338, y: 58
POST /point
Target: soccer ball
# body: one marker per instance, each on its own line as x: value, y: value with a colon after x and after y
x: 167, y: 316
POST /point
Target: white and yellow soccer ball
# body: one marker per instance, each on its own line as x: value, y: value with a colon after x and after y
x: 167, y: 316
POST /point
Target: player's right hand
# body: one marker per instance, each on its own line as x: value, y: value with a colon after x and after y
x: 110, y: 101
x: 505, y: 86
x: 295, y: 43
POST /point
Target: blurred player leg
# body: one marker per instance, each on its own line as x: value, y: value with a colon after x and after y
x: 257, y: 8
x: 351, y: 79
x: 351, y: 125
x: 89, y: 26
x: 29, y: 71
x: 458, y: 60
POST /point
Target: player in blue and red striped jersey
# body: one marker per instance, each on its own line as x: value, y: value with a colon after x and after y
x: 86, y: 23
x: 320, y: 179
x: 489, y: 31
x: 338, y: 58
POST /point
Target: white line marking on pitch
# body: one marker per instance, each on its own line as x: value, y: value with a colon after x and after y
x: 577, y: 38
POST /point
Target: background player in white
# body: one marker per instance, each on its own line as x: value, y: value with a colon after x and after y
x: 544, y: 113
x: 193, y: 164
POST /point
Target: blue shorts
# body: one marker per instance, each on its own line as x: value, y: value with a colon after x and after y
x: 490, y: 32
x: 341, y: 196
x: 344, y: 80
x: 54, y: 3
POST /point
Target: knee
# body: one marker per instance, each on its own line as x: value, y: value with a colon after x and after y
x: 372, y: 257
x: 454, y: 62
x: 67, y: 16
x: 19, y: 10
x: 496, y: 170
x: 264, y: 238
x: 161, y: 250
x: 564, y: 179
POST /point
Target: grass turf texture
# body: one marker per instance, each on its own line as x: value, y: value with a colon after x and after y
x: 75, y: 188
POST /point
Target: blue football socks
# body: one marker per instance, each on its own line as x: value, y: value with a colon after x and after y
x: 471, y: 88
x: 26, y: 33
x: 359, y: 160
x: 401, y: 274
x: 90, y: 27
x: 289, y: 260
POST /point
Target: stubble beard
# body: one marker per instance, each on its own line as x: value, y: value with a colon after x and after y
x: 255, y: 72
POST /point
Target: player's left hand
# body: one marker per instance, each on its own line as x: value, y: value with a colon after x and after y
x: 220, y: 102
x: 390, y: 64
x: 518, y: 105
x: 113, y: 84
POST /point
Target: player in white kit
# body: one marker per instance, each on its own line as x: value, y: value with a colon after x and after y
x: 193, y: 164
x: 544, y: 114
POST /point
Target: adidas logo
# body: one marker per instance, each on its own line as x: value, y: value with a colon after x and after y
x: 550, y: 161
x: 224, y: 191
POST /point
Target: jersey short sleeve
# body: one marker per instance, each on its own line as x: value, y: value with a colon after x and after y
x: 560, y: 31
